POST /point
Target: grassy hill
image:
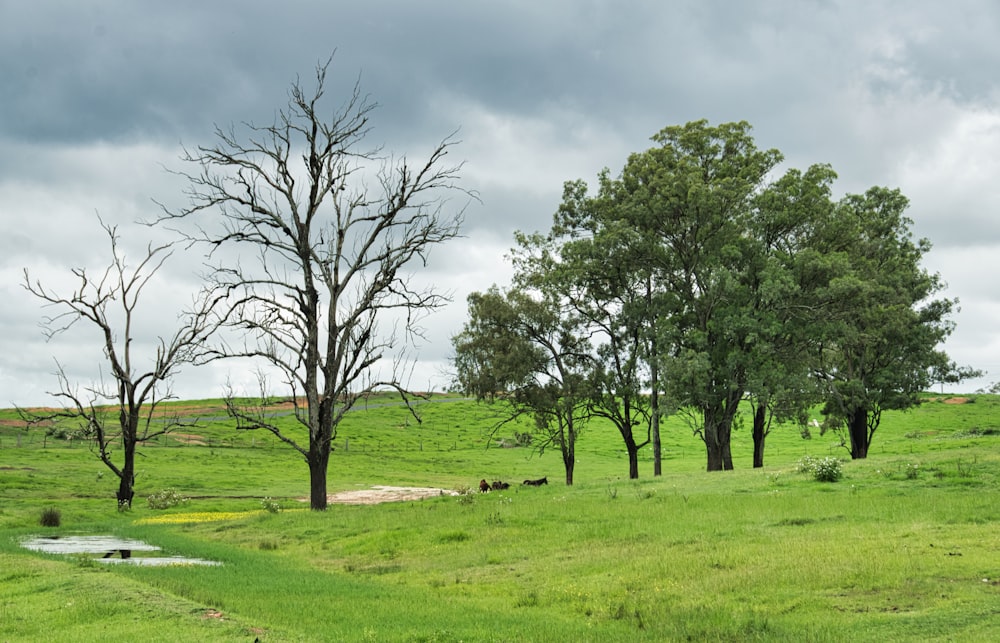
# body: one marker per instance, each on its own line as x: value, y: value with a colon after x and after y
x: 903, y: 547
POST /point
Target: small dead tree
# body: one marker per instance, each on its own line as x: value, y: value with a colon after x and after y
x: 330, y: 231
x: 123, y: 410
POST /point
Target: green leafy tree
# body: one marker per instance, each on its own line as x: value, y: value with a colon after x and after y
x: 609, y: 288
x: 527, y: 352
x: 783, y: 224
x: 881, y: 348
x: 689, y: 201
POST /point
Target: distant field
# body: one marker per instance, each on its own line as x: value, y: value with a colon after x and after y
x: 904, y: 547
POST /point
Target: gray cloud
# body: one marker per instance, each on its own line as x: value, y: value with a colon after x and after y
x: 97, y: 97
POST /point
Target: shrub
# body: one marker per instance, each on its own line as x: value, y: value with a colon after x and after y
x: 270, y: 505
x: 822, y: 469
x: 805, y: 464
x: 165, y: 498
x: 51, y: 517
x: 827, y: 469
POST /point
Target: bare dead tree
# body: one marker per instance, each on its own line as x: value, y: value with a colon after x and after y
x: 311, y: 240
x: 123, y: 410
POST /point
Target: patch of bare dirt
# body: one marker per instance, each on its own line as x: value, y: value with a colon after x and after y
x: 189, y: 438
x: 956, y: 400
x: 385, y: 493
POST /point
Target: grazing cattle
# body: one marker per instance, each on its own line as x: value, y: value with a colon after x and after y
x: 537, y: 483
x: 500, y: 486
x: 483, y: 486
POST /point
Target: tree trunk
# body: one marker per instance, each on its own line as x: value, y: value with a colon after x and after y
x: 654, y: 404
x: 759, y: 419
x: 633, y: 459
x: 713, y: 445
x: 857, y: 427
x: 126, y: 479
x: 569, y: 455
x: 717, y: 429
x: 714, y: 457
x: 319, y: 457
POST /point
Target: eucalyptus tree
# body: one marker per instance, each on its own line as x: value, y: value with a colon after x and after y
x: 609, y: 287
x: 786, y: 216
x: 314, y: 238
x: 528, y: 352
x: 882, y: 346
x: 691, y: 199
x: 125, y: 410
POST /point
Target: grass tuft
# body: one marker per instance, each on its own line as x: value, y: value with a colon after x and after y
x: 51, y: 517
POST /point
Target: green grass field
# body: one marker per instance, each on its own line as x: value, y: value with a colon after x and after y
x: 904, y: 547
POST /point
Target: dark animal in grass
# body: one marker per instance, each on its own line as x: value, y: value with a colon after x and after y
x: 500, y: 486
x: 483, y: 486
x: 537, y: 483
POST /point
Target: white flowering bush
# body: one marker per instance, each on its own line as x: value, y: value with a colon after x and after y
x: 806, y: 464
x: 822, y: 469
x: 165, y: 499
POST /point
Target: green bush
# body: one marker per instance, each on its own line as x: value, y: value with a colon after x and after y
x: 51, y: 517
x: 270, y: 505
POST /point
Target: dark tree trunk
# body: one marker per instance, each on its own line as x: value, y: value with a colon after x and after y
x: 126, y: 479
x: 129, y: 423
x: 713, y: 449
x: 759, y: 419
x: 633, y: 459
x: 569, y: 454
x: 717, y: 429
x: 857, y: 427
x: 319, y: 458
x: 654, y: 404
x: 714, y: 443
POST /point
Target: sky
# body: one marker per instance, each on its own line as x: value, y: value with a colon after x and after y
x: 98, y: 100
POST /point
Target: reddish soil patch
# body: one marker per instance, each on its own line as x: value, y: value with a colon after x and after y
x: 956, y: 400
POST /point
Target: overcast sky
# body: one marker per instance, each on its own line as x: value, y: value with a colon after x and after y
x: 98, y: 98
